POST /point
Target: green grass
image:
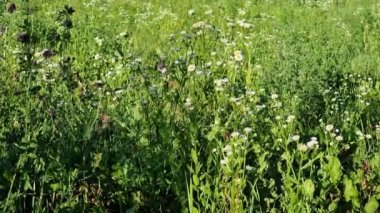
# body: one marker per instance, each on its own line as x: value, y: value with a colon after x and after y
x: 190, y: 106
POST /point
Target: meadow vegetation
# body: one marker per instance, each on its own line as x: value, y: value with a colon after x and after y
x: 190, y: 106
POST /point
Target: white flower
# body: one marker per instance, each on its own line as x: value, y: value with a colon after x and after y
x: 122, y: 34
x: 238, y: 56
x: 227, y: 148
x: 235, y: 134
x: 290, y: 118
x: 329, y: 127
x: 191, y: 12
x: 248, y: 168
x: 97, y: 57
x: 312, y: 143
x: 188, y: 102
x: 302, y: 147
x: 295, y: 138
x: 247, y: 129
x: 250, y: 92
x: 339, y: 138
x: 368, y: 136
x: 241, y: 12
x: 274, y: 96
x: 359, y: 133
x: 199, y: 25
x: 208, y: 12
x: 224, y: 161
x: 235, y: 100
x: 191, y: 68
x: 99, y: 41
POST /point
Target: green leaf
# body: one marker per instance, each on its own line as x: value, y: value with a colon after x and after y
x: 194, y: 156
x: 97, y: 159
x: 136, y: 113
x: 334, y: 169
x: 195, y: 180
x: 194, y: 210
x: 27, y: 185
x: 350, y: 192
x: 333, y: 206
x: 55, y: 186
x: 308, y: 188
x: 32, y: 155
x: 371, y: 206
x: 33, y: 145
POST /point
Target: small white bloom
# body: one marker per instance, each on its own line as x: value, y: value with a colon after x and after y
x: 238, y: 56
x: 274, y: 96
x: 368, y: 136
x: 290, y: 118
x: 224, y: 161
x: 241, y: 12
x: 250, y: 92
x: 191, y: 68
x: 312, y: 143
x: 235, y: 134
x: 295, y: 138
x: 99, y: 41
x: 329, y: 127
x: 248, y: 168
x: 339, y: 138
x: 188, y: 102
x: 359, y: 133
x: 97, y: 57
x: 208, y: 12
x: 191, y: 12
x: 302, y: 147
x: 227, y: 148
x: 199, y: 25
x: 247, y: 129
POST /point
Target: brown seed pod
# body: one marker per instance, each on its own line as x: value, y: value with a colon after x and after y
x: 105, y: 119
x: 11, y: 7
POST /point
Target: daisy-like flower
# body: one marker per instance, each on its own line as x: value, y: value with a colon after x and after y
x: 247, y: 129
x: 295, y: 138
x: 188, y: 102
x: 199, y: 25
x: 290, y: 118
x: 235, y: 134
x: 250, y: 92
x: 191, y: 68
x: 161, y: 68
x: 339, y: 138
x: 99, y: 41
x: 238, y: 56
x: 227, y: 148
x: 191, y: 12
x: 208, y: 12
x: 274, y: 96
x: 224, y: 161
x: 302, y: 147
x: 329, y: 127
x: 248, y: 168
x: 312, y: 143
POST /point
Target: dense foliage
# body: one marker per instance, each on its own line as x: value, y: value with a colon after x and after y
x: 190, y: 106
